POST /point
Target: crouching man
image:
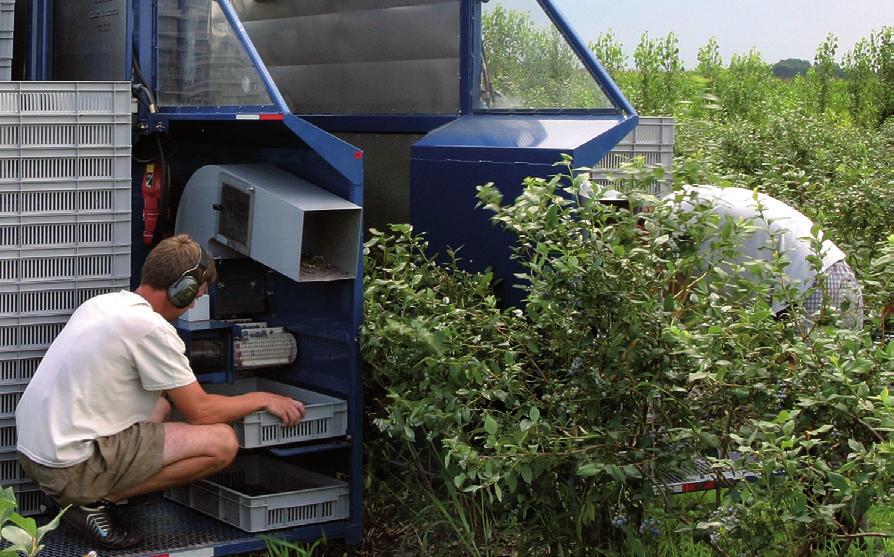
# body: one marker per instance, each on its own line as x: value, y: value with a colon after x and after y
x: 779, y: 229
x: 91, y: 423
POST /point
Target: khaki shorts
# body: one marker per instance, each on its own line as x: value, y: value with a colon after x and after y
x: 119, y: 462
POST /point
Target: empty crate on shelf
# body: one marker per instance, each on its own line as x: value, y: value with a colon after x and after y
x: 258, y: 493
x: 324, y: 417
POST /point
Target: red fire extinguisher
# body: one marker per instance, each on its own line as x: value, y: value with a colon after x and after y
x: 153, y: 188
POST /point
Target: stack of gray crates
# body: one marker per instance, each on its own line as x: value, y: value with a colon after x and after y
x: 653, y: 140
x: 65, y: 150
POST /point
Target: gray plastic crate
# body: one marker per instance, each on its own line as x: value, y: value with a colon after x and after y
x: 259, y: 493
x: 615, y: 182
x: 61, y: 231
x: 654, y: 155
x: 8, y: 434
x: 49, y: 265
x: 53, y: 298
x: 29, y: 499
x: 11, y: 472
x: 325, y: 416
x: 9, y: 398
x: 66, y: 165
x: 651, y: 130
x: 652, y: 140
x: 29, y: 332
x: 65, y: 97
x: 5, y: 38
x: 74, y: 197
x: 57, y: 131
x: 17, y: 368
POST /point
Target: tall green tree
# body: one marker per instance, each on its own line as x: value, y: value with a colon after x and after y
x: 660, y: 73
x: 869, y: 71
x: 710, y: 63
x: 672, y: 71
x: 823, y: 72
x: 610, y: 52
x: 883, y: 52
x: 648, y: 66
x: 745, y: 87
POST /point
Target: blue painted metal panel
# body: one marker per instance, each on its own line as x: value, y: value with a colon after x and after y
x: 451, y: 162
x: 145, y: 39
x: 343, y: 156
x: 524, y: 139
x: 41, y: 40
x: 443, y: 206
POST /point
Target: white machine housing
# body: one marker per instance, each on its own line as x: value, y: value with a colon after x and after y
x: 274, y: 217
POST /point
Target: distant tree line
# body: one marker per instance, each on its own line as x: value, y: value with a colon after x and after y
x: 529, y: 67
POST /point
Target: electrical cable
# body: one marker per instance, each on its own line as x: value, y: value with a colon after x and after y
x: 138, y: 73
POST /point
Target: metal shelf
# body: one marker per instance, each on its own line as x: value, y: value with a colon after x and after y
x: 171, y: 529
x: 309, y: 449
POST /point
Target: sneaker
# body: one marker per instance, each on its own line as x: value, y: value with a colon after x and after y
x: 95, y: 523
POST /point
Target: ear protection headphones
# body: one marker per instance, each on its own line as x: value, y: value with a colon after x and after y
x: 183, y: 291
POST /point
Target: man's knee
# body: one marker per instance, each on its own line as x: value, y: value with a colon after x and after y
x: 226, y: 443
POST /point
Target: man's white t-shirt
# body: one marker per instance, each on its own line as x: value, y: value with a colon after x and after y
x: 103, y: 373
x: 790, y: 230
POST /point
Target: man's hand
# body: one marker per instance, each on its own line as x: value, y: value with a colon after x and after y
x: 289, y: 410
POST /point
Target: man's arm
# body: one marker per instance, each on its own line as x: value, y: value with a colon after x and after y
x: 200, y: 407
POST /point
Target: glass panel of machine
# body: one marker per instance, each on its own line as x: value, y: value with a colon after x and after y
x: 201, y: 61
x: 527, y: 64
x: 359, y: 56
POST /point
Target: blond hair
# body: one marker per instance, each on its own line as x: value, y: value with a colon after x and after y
x: 171, y: 258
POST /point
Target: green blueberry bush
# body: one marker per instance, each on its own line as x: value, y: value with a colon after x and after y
x: 552, y: 427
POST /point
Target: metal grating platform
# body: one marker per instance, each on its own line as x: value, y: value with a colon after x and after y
x: 699, y: 476
x: 166, y: 526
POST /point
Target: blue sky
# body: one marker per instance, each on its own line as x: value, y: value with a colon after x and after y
x: 777, y: 28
